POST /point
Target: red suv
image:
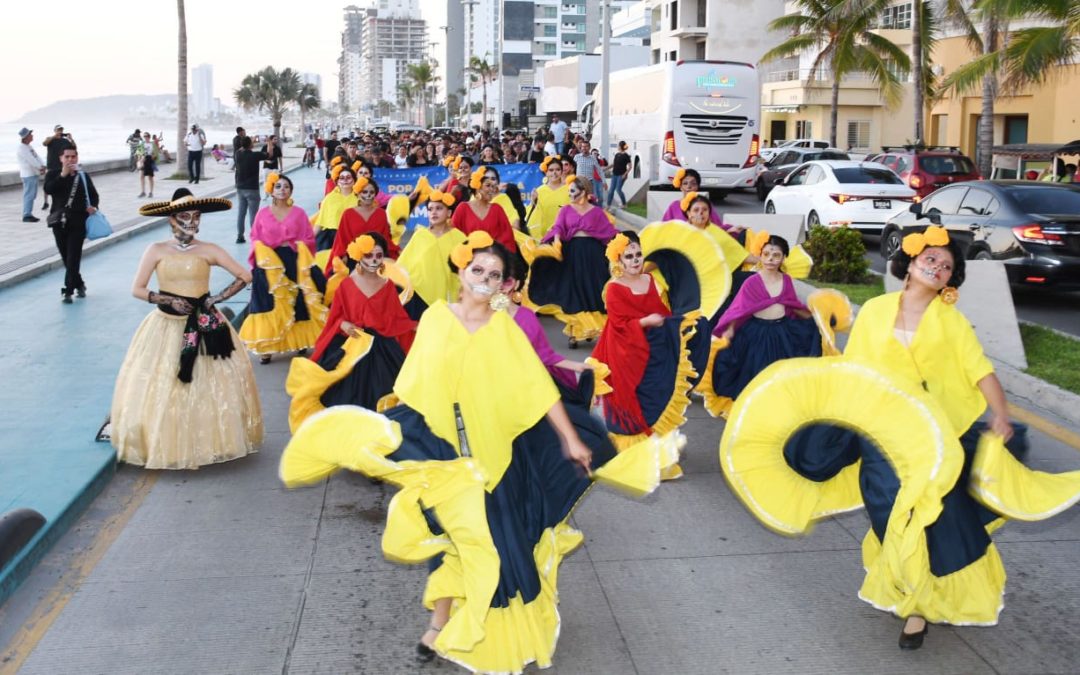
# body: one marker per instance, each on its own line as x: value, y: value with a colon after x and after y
x: 925, y: 170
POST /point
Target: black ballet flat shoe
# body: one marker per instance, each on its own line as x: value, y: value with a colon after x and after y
x: 910, y: 641
x: 80, y: 292
x: 264, y: 359
x: 424, y: 654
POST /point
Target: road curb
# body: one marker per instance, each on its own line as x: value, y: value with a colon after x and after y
x: 125, y: 230
x: 635, y: 222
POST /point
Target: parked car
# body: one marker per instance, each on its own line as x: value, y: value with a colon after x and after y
x: 927, y: 170
x: 769, y: 153
x: 777, y: 168
x: 861, y: 195
x: 1032, y: 227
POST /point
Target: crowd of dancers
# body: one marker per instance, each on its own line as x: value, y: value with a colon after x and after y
x: 418, y: 359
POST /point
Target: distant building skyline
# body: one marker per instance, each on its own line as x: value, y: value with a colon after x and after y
x: 202, y: 90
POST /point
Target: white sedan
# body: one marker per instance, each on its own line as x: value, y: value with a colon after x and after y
x: 861, y: 195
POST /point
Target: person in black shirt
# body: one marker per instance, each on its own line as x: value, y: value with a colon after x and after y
x: 236, y: 141
x: 246, y: 165
x: 274, y: 161
x: 536, y: 155
x: 620, y: 166
x: 75, y: 196
x: 55, y: 146
x: 329, y: 149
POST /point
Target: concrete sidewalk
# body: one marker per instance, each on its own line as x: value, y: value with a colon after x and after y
x: 222, y: 570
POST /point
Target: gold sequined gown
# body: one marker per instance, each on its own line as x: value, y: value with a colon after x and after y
x: 162, y: 423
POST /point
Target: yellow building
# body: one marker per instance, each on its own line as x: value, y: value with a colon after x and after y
x: 1046, y: 114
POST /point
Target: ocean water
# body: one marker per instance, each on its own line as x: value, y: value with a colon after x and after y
x: 96, y: 142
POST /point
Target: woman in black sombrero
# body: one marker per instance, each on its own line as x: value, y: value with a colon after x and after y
x: 183, y: 398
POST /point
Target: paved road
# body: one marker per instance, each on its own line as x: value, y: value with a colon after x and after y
x: 1057, y: 309
x: 223, y: 571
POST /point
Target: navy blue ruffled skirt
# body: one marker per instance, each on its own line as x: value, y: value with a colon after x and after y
x: 370, y: 379
x: 576, y: 283
x: 759, y: 343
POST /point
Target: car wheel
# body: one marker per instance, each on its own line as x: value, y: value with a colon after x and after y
x: 980, y: 254
x: 770, y: 207
x: 762, y: 191
x: 890, y: 243
x: 812, y: 220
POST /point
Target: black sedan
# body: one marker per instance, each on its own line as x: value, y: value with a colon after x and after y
x: 1032, y: 227
x: 787, y: 160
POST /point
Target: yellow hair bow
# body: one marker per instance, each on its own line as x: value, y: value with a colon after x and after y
x: 361, y: 183
x: 335, y: 173
x: 616, y: 247
x: 271, y: 179
x: 444, y: 197
x: 363, y: 245
x: 336, y: 160
x: 676, y: 180
x: 687, y: 200
x: 356, y: 165
x: 914, y: 243
x: 423, y: 190
x: 462, y: 254
x: 477, y: 178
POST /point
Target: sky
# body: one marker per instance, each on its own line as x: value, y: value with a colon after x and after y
x: 129, y: 46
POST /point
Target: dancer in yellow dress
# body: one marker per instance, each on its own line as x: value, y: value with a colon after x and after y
x: 186, y: 395
x: 328, y: 218
x: 490, y: 466
x: 425, y: 256
x: 894, y: 424
x: 549, y: 198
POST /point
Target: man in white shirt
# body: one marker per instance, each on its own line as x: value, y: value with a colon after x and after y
x: 30, y: 168
x: 558, y: 130
x: 195, y: 141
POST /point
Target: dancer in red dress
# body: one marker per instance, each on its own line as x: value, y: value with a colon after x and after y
x: 367, y: 216
x: 481, y: 214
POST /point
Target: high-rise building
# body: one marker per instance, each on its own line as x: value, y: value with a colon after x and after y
x: 454, y: 42
x: 313, y: 79
x: 202, y: 90
x: 352, y: 40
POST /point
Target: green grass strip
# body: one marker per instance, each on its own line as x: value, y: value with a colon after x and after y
x: 1052, y: 356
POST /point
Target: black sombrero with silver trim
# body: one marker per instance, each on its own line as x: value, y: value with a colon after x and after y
x: 183, y: 200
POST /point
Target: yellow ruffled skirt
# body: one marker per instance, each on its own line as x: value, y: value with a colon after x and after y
x: 160, y: 422
x: 277, y: 330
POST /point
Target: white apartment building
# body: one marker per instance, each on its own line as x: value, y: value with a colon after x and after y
x: 202, y: 90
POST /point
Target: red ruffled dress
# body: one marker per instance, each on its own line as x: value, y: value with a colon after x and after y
x: 494, y: 223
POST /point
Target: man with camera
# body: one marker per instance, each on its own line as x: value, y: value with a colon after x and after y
x: 74, y: 198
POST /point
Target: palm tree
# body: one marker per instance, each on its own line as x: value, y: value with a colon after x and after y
x: 1032, y: 54
x: 985, y: 25
x: 181, y: 92
x: 306, y: 101
x: 406, y: 96
x: 422, y: 77
x: 479, y: 70
x: 269, y: 91
x: 841, y: 31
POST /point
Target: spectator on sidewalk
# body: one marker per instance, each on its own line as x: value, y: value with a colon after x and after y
x: 329, y: 150
x: 133, y: 142
x: 274, y: 161
x: 55, y: 146
x: 237, y: 139
x: 558, y: 130
x: 620, y: 166
x: 74, y: 198
x: 246, y: 164
x: 147, y: 169
x: 320, y: 153
x: 588, y: 167
x: 195, y: 141
x: 30, y: 168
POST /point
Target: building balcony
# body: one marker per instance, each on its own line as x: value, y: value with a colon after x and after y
x: 689, y: 32
x: 573, y: 28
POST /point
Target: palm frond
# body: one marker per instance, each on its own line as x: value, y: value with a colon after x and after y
x: 1032, y: 55
x: 970, y: 75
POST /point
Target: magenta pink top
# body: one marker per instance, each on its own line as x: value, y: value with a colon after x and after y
x: 569, y: 222
x: 530, y: 325
x: 273, y: 232
x: 754, y: 297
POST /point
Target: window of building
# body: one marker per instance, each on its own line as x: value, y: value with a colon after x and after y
x: 549, y: 49
x: 590, y: 87
x: 673, y: 15
x: 549, y: 30
x: 551, y: 12
x: 804, y: 129
x: 858, y: 134
x: 700, y: 55
x: 1016, y: 128
x: 897, y: 17
x: 673, y: 55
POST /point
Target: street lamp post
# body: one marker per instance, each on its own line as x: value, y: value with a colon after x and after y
x: 605, y: 80
x: 469, y: 4
x: 446, y: 84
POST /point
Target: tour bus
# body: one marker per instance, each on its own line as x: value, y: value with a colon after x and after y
x: 701, y: 115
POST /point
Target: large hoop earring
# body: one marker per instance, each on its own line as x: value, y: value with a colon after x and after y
x: 949, y: 295
x: 616, y: 269
x: 499, y: 301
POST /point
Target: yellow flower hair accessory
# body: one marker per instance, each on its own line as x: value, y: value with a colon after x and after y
x: 462, y: 254
x: 356, y: 165
x: 448, y: 160
x: 616, y: 247
x: 456, y: 163
x: 687, y: 200
x: 914, y: 243
x: 335, y: 173
x: 363, y: 245
x: 359, y: 185
x: 423, y: 190
x: 547, y: 162
x: 755, y: 241
x: 445, y: 198
x: 477, y: 178
x: 676, y: 180
x: 336, y: 160
x: 271, y: 180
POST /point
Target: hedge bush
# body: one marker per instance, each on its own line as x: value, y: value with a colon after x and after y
x: 839, y: 255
